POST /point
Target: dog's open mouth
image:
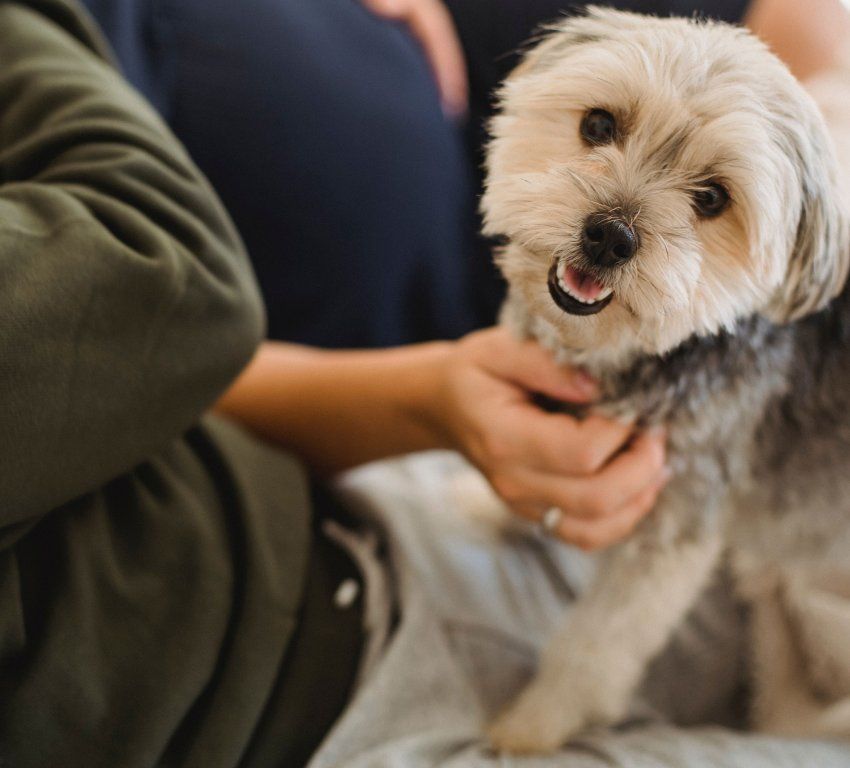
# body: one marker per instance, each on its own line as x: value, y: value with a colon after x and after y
x: 577, y: 292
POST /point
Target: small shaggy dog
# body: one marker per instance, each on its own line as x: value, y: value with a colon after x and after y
x: 668, y: 198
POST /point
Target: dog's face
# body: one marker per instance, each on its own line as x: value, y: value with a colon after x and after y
x: 654, y: 179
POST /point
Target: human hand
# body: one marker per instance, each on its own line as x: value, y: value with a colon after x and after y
x: 432, y: 25
x: 603, y: 476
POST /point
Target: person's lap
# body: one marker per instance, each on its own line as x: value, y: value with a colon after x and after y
x: 475, y: 607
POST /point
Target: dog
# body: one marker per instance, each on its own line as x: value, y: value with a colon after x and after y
x: 667, y: 201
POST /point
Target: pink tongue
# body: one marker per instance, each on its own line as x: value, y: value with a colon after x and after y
x: 582, y: 285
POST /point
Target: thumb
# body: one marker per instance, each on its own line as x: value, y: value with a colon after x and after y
x: 530, y: 366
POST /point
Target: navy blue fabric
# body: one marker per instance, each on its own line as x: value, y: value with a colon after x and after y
x: 321, y: 129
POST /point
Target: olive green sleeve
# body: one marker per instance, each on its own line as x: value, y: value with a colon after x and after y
x: 126, y: 300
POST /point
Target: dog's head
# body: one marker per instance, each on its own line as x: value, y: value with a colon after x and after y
x: 655, y: 179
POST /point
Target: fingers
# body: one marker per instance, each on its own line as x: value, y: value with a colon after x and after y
x: 586, y: 496
x: 601, y: 475
x: 628, y: 473
x: 603, y: 532
x: 600, y: 508
x: 528, y: 365
x: 592, y: 534
x: 432, y: 25
x: 557, y: 444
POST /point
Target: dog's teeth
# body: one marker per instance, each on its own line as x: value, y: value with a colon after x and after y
x: 601, y: 297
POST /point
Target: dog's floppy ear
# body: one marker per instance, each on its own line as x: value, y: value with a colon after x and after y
x: 818, y: 265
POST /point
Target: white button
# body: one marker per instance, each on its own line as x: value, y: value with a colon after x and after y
x: 346, y: 594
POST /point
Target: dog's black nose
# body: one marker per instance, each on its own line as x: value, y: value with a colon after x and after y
x: 608, y: 241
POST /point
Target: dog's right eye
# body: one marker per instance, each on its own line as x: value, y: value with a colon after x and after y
x: 711, y: 200
x: 598, y: 127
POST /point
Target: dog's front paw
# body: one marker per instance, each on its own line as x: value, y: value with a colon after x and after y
x: 537, y: 723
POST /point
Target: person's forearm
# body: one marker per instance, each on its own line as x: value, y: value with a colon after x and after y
x: 813, y: 39
x: 831, y: 90
x: 340, y: 409
x: 808, y: 37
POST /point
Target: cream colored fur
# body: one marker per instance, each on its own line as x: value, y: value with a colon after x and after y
x: 739, y: 115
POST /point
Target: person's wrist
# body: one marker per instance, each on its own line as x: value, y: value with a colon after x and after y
x: 424, y: 392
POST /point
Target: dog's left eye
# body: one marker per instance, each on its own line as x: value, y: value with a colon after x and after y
x: 598, y: 127
x: 711, y: 200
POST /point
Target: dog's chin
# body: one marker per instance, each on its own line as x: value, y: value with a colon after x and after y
x: 576, y: 292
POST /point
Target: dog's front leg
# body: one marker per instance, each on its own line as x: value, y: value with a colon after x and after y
x: 593, y: 665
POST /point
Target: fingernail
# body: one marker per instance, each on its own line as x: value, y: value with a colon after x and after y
x: 658, y: 432
x: 585, y: 383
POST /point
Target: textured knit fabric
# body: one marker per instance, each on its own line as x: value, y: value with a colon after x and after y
x: 151, y: 565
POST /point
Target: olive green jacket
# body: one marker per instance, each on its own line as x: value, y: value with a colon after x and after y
x: 151, y: 564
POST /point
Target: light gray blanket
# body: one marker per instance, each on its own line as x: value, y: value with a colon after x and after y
x: 475, y: 606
